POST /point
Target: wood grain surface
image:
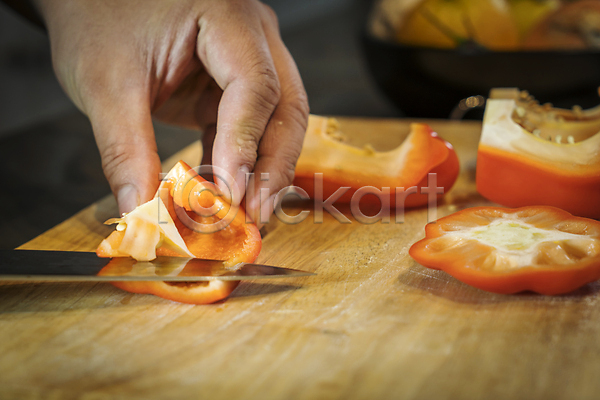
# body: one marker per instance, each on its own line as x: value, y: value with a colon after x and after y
x: 372, y: 324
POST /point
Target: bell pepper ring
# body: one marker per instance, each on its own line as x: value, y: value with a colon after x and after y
x: 541, y: 249
x: 344, y: 166
x: 531, y: 154
x: 168, y: 226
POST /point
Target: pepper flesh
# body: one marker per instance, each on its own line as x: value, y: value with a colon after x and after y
x: 540, y: 155
x: 541, y: 249
x: 236, y: 242
x: 342, y: 165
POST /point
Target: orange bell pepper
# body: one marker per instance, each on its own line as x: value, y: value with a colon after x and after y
x: 541, y: 249
x: 531, y: 154
x: 142, y: 235
x: 342, y: 165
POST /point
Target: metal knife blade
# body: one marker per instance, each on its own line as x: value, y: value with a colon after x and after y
x: 61, y: 266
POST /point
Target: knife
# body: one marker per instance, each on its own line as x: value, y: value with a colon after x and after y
x: 61, y: 266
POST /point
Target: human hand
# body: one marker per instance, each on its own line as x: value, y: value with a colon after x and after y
x: 196, y: 63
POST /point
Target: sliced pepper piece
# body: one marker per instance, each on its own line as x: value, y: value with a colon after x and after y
x: 542, y: 249
x: 180, y: 193
x: 538, y: 155
x: 145, y: 233
x: 342, y: 165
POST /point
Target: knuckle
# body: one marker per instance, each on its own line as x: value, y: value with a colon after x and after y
x: 295, y: 96
x: 300, y: 108
x: 296, y: 110
x: 269, y: 16
x: 266, y: 86
x: 289, y: 168
x: 248, y: 134
x: 247, y: 139
x: 114, y: 156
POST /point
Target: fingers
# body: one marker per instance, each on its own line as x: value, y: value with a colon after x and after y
x: 239, y: 60
x: 263, y: 110
x: 281, y: 143
x: 104, y: 67
x: 125, y: 136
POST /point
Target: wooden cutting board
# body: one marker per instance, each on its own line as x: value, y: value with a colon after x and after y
x: 372, y: 324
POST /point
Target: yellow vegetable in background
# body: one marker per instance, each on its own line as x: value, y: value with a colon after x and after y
x: 450, y: 23
x: 528, y: 13
x: 573, y: 25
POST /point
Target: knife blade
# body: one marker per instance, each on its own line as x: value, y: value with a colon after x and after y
x: 61, y: 266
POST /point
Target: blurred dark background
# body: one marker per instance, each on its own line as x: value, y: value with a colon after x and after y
x: 49, y: 162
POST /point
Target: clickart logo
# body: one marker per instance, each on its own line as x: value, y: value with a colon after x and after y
x: 204, y: 206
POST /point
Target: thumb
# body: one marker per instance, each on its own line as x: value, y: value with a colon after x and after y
x: 125, y: 137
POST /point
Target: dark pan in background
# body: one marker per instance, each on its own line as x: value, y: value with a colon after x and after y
x: 429, y: 83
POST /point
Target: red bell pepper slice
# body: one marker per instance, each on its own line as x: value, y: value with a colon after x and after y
x: 342, y: 165
x: 538, y: 155
x: 542, y: 249
x: 236, y: 242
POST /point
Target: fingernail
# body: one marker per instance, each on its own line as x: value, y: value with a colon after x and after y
x: 128, y: 198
